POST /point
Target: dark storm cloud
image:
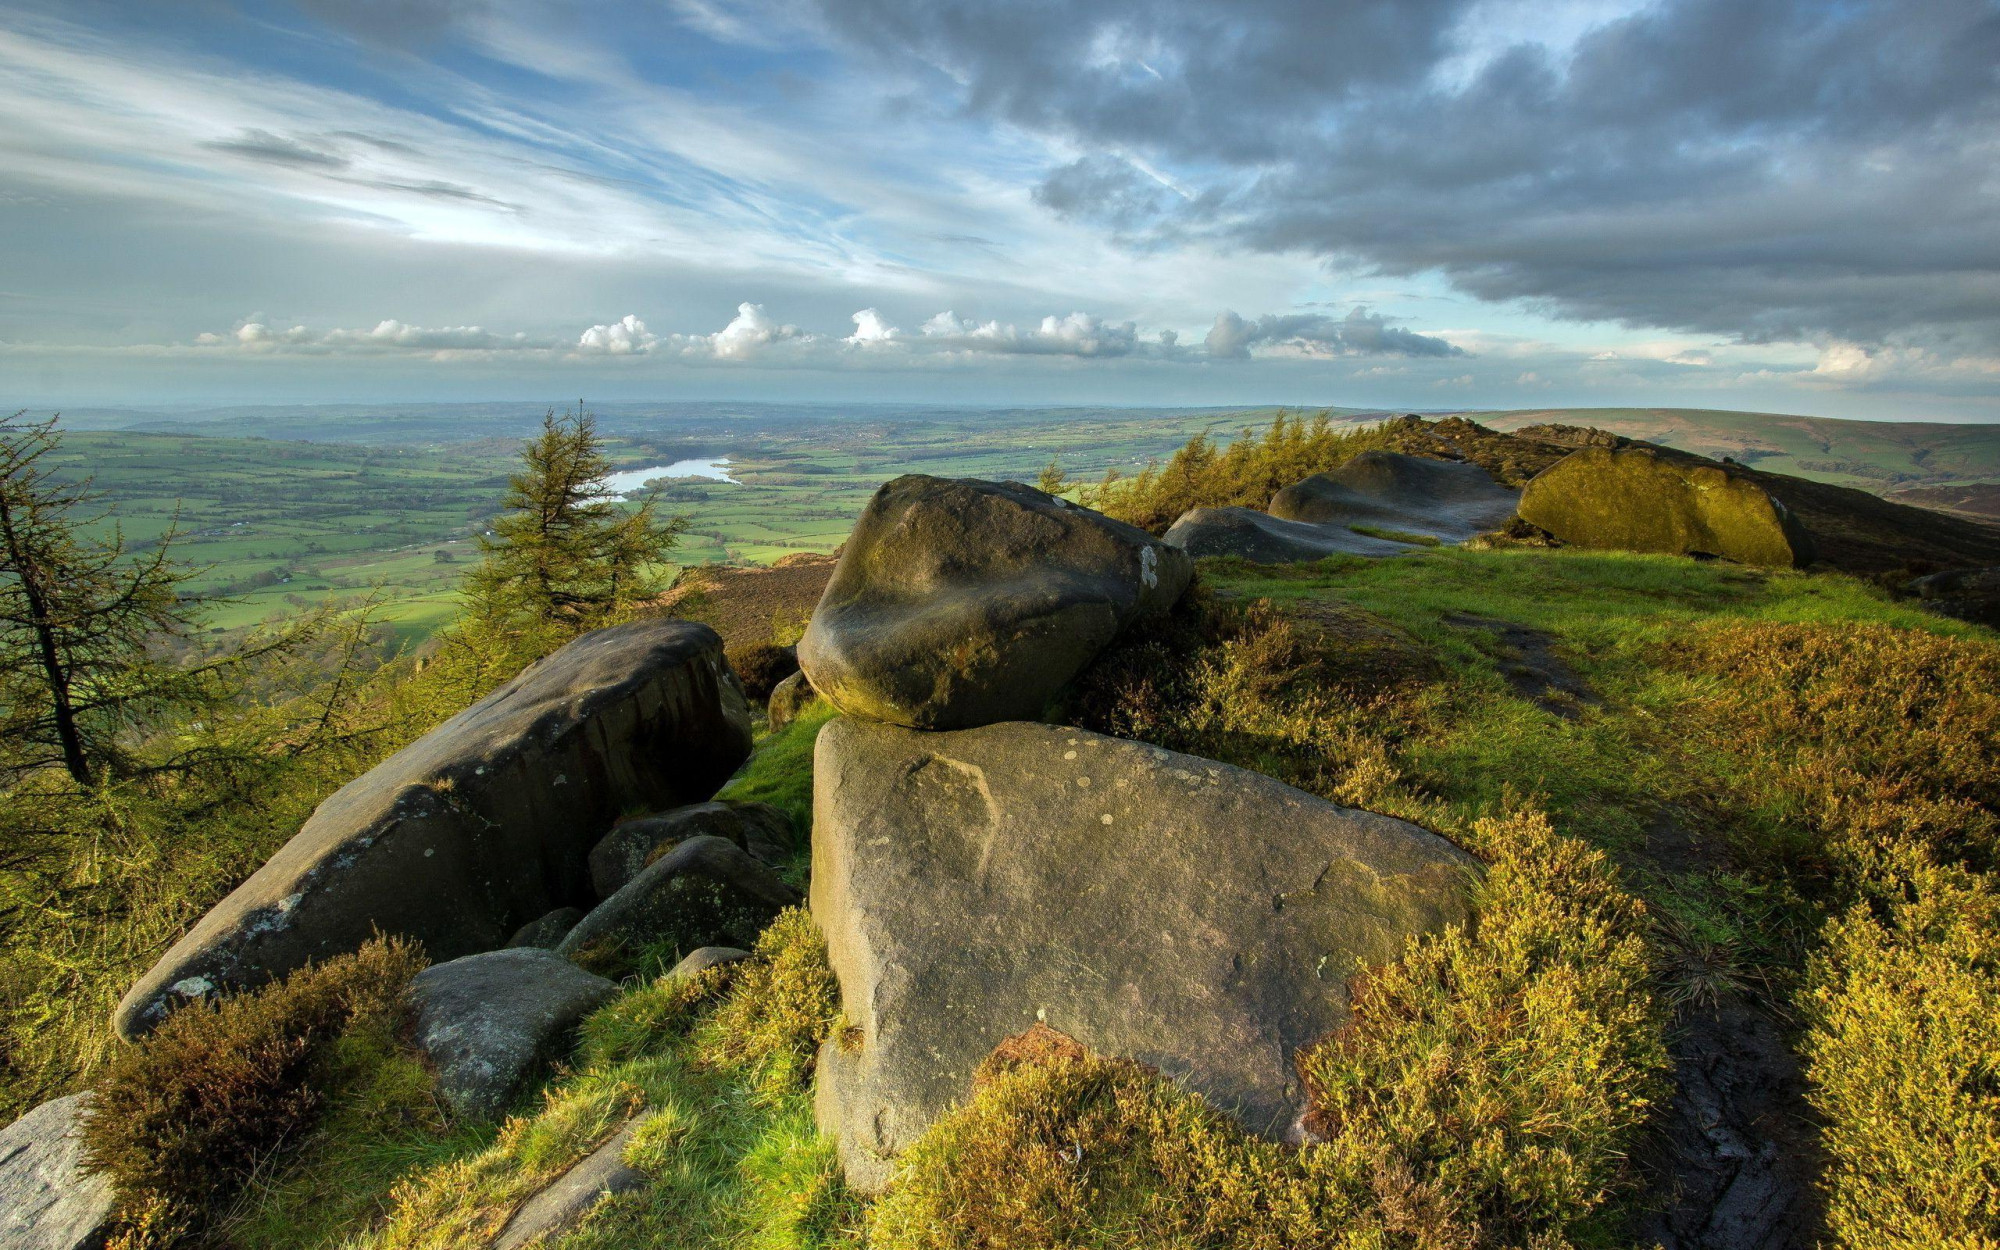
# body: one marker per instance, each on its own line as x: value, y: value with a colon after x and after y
x: 1775, y: 170
x: 1360, y: 333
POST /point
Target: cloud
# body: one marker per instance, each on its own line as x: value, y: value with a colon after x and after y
x: 1360, y: 333
x: 627, y: 336
x: 1784, y: 171
x: 396, y: 23
x: 870, y: 328
x: 751, y: 334
x: 262, y: 145
x: 1078, y: 334
x: 388, y: 337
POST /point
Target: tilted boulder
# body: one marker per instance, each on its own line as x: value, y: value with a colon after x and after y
x: 491, y: 1022
x: 962, y: 602
x: 791, y: 697
x: 1264, y: 539
x: 1643, y: 498
x: 1440, y: 499
x: 705, y: 892
x: 47, y: 1200
x: 482, y: 824
x: 759, y: 828
x: 1173, y: 910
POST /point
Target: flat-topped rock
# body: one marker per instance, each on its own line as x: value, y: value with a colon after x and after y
x: 1169, y: 909
x: 962, y: 602
x: 482, y: 824
x: 1386, y: 490
x: 1643, y: 498
x: 1264, y: 539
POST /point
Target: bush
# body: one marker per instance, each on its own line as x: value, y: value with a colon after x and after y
x: 1485, y: 1094
x: 1904, y: 1053
x: 760, y: 666
x: 782, y: 1006
x: 184, y: 1117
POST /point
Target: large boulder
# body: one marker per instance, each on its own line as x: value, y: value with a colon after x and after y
x: 47, y: 1201
x: 706, y: 891
x: 1264, y: 539
x: 1963, y: 594
x: 489, y: 1023
x: 482, y: 824
x: 1643, y: 498
x: 1174, y: 910
x: 759, y: 828
x: 1385, y: 490
x: 962, y: 602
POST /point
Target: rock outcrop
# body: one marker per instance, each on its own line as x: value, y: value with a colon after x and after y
x: 47, y: 1202
x: 1440, y: 499
x: 545, y: 931
x: 1964, y: 594
x: 707, y: 891
x: 1643, y: 498
x: 1264, y: 539
x: 962, y: 602
x: 482, y: 824
x: 1174, y: 910
x: 491, y: 1022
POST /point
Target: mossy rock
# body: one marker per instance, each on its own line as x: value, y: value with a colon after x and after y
x: 1652, y: 499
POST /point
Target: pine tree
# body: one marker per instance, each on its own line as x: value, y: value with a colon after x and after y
x: 566, y: 551
x: 82, y: 619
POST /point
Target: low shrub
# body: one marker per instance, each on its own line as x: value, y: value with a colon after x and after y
x: 784, y: 1003
x: 1485, y: 1094
x: 760, y: 667
x: 183, y: 1118
x: 1904, y: 1054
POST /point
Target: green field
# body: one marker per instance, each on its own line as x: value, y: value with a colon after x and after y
x: 306, y: 513
x: 281, y: 525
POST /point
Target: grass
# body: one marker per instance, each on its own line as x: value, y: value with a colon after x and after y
x: 1397, y: 536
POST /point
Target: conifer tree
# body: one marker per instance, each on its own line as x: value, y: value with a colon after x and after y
x: 566, y: 551
x: 82, y: 619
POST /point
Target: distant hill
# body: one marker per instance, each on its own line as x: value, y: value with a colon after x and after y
x: 1877, y: 456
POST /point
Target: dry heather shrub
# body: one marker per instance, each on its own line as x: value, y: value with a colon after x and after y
x: 187, y: 1115
x: 1904, y: 1051
x: 760, y: 667
x: 1484, y: 1095
x: 1874, y: 738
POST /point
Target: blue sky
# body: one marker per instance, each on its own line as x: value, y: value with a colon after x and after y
x: 1403, y: 203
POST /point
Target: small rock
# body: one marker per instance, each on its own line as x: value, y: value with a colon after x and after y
x: 47, y: 1202
x: 962, y: 602
x: 708, y: 957
x: 705, y: 891
x: 759, y: 828
x: 563, y: 1205
x: 790, y: 697
x: 545, y: 931
x: 490, y: 1022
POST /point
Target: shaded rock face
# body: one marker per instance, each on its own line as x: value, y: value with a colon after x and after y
x: 759, y: 828
x: 1439, y: 499
x: 1174, y: 910
x: 962, y: 602
x: 491, y: 1022
x: 1649, y: 499
x: 482, y: 824
x: 545, y: 931
x: 706, y: 891
x: 1264, y: 539
x: 46, y: 1201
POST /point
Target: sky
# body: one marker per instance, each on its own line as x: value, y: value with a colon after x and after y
x: 1779, y: 205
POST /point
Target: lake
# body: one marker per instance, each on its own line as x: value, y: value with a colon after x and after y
x: 716, y: 470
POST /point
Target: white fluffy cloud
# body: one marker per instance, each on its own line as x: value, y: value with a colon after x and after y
x: 627, y: 336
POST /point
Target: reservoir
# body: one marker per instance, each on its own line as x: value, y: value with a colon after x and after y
x: 715, y: 470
